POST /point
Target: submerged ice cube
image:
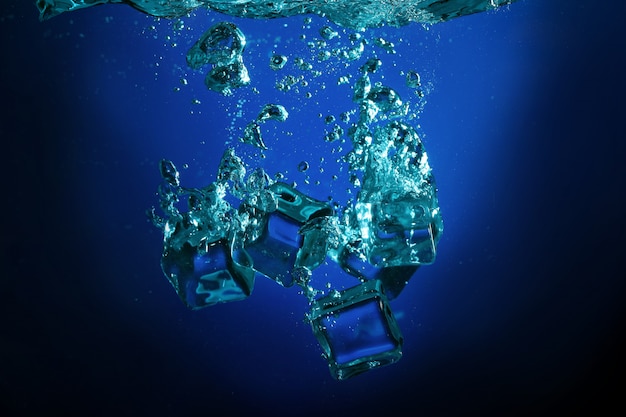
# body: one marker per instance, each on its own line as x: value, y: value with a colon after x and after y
x: 274, y: 240
x: 274, y: 252
x: 397, y: 210
x: 356, y: 330
x: 401, y: 231
x: 203, y: 255
x: 207, y: 275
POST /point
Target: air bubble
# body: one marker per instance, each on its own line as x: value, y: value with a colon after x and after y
x: 328, y: 33
x: 277, y: 62
x: 303, y: 166
x: 413, y: 79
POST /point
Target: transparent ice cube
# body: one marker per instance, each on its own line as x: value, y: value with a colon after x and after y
x: 210, y: 274
x: 400, y: 231
x: 274, y: 252
x: 275, y: 238
x: 356, y: 330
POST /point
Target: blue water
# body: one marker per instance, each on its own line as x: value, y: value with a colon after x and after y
x: 520, y: 314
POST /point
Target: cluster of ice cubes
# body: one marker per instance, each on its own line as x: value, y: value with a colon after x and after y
x: 349, y: 264
x: 213, y: 250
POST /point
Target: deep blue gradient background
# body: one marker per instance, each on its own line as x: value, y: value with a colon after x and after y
x: 522, y: 314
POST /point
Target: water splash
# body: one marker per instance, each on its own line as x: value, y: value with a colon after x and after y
x: 368, y: 13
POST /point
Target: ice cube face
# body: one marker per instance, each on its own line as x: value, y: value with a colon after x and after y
x: 205, y: 276
x: 356, y: 330
x: 274, y: 252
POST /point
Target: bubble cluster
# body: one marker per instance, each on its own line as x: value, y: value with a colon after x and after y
x: 222, y: 46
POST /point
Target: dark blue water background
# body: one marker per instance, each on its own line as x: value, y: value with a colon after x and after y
x: 521, y: 313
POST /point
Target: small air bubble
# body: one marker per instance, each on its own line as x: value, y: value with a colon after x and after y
x: 303, y: 166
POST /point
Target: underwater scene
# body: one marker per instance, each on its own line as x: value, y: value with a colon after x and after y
x: 375, y: 207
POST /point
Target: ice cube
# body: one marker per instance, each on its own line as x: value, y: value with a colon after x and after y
x: 356, y: 330
x: 204, y: 276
